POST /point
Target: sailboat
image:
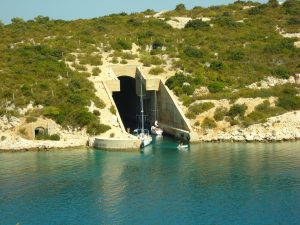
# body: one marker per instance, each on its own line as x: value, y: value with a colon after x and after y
x: 156, y: 130
x: 142, y: 133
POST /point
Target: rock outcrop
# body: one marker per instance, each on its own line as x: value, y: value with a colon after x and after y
x: 279, y: 128
x: 273, y: 81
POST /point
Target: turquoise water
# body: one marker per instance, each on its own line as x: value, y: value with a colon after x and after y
x: 212, y: 183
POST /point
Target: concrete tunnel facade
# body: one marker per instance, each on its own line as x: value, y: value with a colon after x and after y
x: 125, y: 91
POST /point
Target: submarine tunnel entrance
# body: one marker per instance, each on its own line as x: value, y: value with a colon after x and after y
x: 128, y: 103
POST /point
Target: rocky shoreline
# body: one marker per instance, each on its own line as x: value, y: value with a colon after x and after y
x: 285, y: 127
x: 220, y: 138
x: 27, y: 145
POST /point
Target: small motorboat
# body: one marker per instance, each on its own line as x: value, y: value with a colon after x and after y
x: 156, y: 130
x: 183, y: 147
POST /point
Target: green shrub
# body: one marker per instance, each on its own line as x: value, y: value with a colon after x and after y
x: 216, y: 65
x: 96, y: 112
x: 96, y: 61
x: 78, y: 99
x: 215, y: 87
x: 128, y: 56
x: 254, y: 117
x: 17, y: 20
x: 97, y: 128
x: 273, y: 3
x: 292, y: 7
x: 115, y: 60
x: 236, y: 54
x: 31, y: 119
x: 208, y: 123
x: 237, y: 110
x: 96, y: 71
x: 188, y: 89
x: 281, y: 72
x: 83, y: 117
x: 279, y: 46
x: 70, y: 58
x: 79, y: 67
x: 54, y: 137
x: 3, y: 138
x: 226, y: 21
x: 178, y: 80
x: 263, y: 107
x: 51, y: 111
x: 148, y: 60
x: 180, y: 7
x: 122, y: 44
x: 190, y: 115
x: 197, y: 24
x: 289, y: 102
x: 123, y: 61
x: 178, y: 91
x: 90, y: 59
x: 293, y: 21
x: 255, y: 11
x: 220, y: 113
x: 99, y: 103
x: 134, y: 22
x: 193, y: 52
x: 233, y: 122
x: 156, y: 70
x: 113, y: 110
x: 261, y: 113
x: 187, y: 100
x: 157, y: 44
x: 201, y: 107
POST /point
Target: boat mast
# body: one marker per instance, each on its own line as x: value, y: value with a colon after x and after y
x: 155, y: 102
x: 142, y: 106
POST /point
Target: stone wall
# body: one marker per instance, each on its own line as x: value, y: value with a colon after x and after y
x: 29, y: 128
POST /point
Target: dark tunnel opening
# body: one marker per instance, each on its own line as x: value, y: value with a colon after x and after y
x: 127, y: 102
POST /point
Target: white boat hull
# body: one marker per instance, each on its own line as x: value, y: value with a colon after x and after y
x: 146, y: 141
x: 145, y: 137
x: 157, y: 131
x: 182, y: 147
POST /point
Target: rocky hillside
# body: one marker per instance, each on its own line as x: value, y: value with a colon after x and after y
x: 211, y: 58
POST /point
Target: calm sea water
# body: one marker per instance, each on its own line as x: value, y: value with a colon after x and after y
x: 209, y: 184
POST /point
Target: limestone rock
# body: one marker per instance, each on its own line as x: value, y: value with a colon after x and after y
x: 200, y: 91
x: 292, y: 80
x: 270, y: 82
x: 297, y: 78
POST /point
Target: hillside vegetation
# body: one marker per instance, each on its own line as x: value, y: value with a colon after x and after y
x: 240, y: 44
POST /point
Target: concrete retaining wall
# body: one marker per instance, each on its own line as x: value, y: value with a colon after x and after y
x: 117, y: 144
x: 170, y: 113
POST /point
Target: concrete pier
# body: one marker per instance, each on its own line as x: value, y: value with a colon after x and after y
x: 117, y: 144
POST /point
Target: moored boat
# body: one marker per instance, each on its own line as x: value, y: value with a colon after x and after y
x: 142, y: 133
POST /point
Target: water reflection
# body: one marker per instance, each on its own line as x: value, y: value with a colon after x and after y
x: 211, y: 182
